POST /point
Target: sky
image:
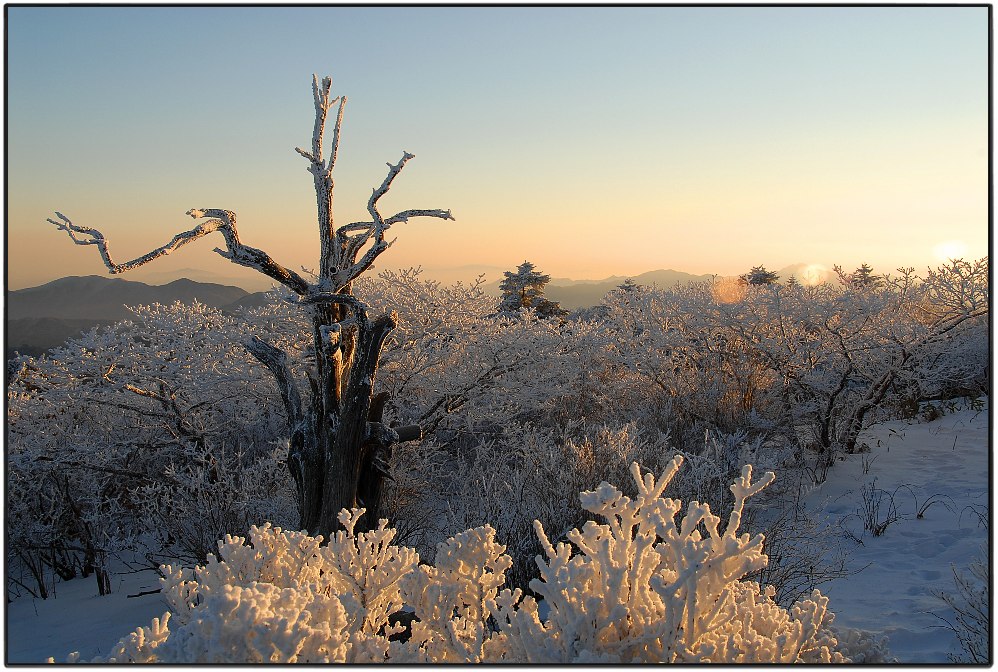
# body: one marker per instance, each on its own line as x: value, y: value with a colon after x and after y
x: 592, y: 141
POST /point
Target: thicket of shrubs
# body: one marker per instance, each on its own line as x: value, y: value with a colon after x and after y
x: 162, y: 434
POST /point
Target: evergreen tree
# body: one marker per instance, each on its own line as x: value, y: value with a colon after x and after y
x: 865, y: 277
x: 759, y: 276
x: 862, y: 278
x: 628, y: 285
x: 525, y: 289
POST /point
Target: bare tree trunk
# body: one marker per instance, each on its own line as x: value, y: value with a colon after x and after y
x: 871, y: 400
x: 339, y: 446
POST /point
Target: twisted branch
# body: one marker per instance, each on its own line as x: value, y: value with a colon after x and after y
x: 276, y: 360
x: 223, y: 221
x: 95, y: 237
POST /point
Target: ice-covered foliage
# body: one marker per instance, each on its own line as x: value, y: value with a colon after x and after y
x: 159, y: 434
x: 811, y: 364
x: 529, y: 473
x: 282, y: 597
x: 646, y: 585
x: 645, y: 588
x: 110, y: 434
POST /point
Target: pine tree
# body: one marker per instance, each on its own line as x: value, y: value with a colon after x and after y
x: 628, y: 285
x: 759, y: 276
x: 525, y: 289
x: 864, y: 277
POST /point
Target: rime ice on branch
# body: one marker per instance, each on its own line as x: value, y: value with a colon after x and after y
x: 339, y: 444
x: 648, y: 586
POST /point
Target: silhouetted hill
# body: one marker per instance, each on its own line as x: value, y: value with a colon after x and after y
x: 34, y: 335
x: 40, y: 318
x: 94, y: 297
x: 254, y: 300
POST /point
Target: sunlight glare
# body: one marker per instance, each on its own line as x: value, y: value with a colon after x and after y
x: 728, y: 290
x: 950, y: 249
x: 813, y: 274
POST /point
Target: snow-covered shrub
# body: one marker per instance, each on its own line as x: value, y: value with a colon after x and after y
x: 640, y: 587
x: 777, y: 359
x: 282, y: 598
x: 971, y: 606
x: 644, y: 589
x: 530, y: 473
x: 453, y: 599
x: 206, y: 493
x: 454, y: 365
x: 953, y: 310
x: 164, y: 418
x: 518, y: 414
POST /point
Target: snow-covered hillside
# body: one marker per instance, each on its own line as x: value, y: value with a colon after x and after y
x: 891, y: 588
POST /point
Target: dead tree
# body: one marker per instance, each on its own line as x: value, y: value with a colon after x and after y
x: 339, y: 445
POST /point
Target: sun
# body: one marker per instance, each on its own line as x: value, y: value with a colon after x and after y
x: 950, y: 249
x: 813, y: 274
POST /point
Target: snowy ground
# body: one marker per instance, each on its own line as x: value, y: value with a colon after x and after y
x: 900, y: 572
x: 892, y: 590
x: 78, y: 619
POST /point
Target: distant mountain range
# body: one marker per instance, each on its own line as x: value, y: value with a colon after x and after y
x: 39, y: 318
x: 43, y: 317
x: 572, y: 294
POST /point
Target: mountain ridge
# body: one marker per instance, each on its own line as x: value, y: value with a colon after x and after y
x: 43, y: 317
x: 96, y: 297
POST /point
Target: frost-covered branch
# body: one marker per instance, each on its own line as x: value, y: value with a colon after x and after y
x: 374, y: 231
x: 276, y: 360
x: 323, y: 102
x: 330, y: 439
x: 223, y: 221
x: 642, y: 588
x: 95, y: 237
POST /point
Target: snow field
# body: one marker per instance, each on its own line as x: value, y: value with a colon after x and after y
x: 898, y: 574
x: 78, y: 619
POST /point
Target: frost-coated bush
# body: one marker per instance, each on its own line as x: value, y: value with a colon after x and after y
x: 156, y: 435
x: 640, y: 587
x: 108, y: 436
x: 530, y: 473
x: 971, y: 606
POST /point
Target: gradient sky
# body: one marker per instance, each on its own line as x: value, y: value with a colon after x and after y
x: 593, y: 141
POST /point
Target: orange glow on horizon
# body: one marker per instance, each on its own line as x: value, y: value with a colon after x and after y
x: 728, y: 290
x: 814, y: 274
